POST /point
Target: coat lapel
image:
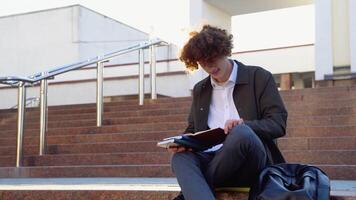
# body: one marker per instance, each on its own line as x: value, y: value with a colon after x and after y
x: 204, y: 103
x: 239, y: 98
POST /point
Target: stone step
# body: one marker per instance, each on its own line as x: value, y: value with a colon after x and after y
x: 311, y: 131
x: 322, y: 120
x: 134, y: 158
x: 321, y: 131
x: 317, y: 143
x: 309, y: 157
x: 124, y: 188
x: 292, y: 96
x: 110, y: 147
x: 157, y: 170
x: 337, y: 157
x: 80, y: 122
x: 321, y: 90
x: 319, y: 96
x: 314, y: 157
x: 339, y: 172
x: 31, y: 117
x: 91, y: 108
x: 285, y: 143
x: 122, y: 128
x: 91, y: 138
x: 305, y: 131
x: 107, y: 115
x: 127, y: 103
x: 114, y: 108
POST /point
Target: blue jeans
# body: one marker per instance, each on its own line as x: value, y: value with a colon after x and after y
x: 237, y: 163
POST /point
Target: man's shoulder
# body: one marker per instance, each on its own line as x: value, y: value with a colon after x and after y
x: 202, y: 83
x: 252, y: 69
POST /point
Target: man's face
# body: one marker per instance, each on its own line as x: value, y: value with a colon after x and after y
x: 218, y: 69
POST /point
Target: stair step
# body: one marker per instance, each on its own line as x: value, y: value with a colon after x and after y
x: 284, y: 143
x: 91, y: 138
x: 109, y: 121
x: 108, y: 108
x: 124, y: 188
x: 299, y: 131
x: 109, y: 147
x: 317, y: 143
x: 134, y: 158
x: 339, y: 172
x: 306, y: 120
x: 161, y: 126
x: 87, y: 171
x: 313, y: 157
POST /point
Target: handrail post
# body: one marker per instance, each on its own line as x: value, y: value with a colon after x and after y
x: 152, y: 52
x: 43, y: 117
x: 99, y: 94
x: 20, y: 122
x: 141, y: 80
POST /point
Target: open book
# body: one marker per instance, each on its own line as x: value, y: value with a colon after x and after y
x: 198, y: 141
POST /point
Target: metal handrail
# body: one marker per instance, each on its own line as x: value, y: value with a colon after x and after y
x: 11, y: 80
x: 29, y: 101
x: 43, y: 77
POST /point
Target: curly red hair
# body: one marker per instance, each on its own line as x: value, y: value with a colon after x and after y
x: 205, y: 46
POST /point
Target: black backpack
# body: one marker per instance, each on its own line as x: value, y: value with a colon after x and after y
x: 291, y: 182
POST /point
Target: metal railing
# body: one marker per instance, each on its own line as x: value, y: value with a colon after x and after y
x: 32, y: 102
x: 43, y: 77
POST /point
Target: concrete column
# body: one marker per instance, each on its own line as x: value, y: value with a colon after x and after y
x: 299, y: 83
x: 323, y: 39
x: 286, y: 81
x: 352, y: 28
x: 200, y: 13
x: 340, y: 33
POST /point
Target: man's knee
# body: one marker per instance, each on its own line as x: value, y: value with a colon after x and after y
x: 182, y: 158
x: 240, y: 133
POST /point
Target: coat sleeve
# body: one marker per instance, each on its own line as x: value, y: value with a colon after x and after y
x: 273, y: 115
x: 190, y: 128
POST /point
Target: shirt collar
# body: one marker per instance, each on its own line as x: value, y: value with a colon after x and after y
x: 232, y: 78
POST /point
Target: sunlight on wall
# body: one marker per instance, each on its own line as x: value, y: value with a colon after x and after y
x: 276, y: 28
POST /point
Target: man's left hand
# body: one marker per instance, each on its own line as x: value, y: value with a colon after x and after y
x: 231, y: 123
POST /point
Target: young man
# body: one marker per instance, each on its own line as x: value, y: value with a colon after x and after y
x: 243, y: 100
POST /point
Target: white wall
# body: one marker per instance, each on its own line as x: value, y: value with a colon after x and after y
x: 352, y: 17
x: 35, y: 41
x: 99, y: 34
x: 286, y: 60
x: 340, y: 33
x: 323, y: 39
x: 215, y: 16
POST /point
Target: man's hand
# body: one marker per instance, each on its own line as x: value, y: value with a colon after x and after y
x: 231, y: 123
x: 177, y: 149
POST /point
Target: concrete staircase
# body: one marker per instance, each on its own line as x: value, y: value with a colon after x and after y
x: 321, y: 131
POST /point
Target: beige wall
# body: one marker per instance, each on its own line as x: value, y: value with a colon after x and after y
x: 340, y: 33
x: 352, y: 14
x: 33, y: 42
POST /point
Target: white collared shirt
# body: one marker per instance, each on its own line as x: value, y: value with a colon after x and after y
x: 222, y: 106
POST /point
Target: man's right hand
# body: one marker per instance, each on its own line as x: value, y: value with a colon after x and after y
x: 177, y: 149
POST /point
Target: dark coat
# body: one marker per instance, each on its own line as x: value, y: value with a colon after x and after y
x: 257, y: 101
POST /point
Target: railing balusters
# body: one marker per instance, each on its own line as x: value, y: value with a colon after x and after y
x: 141, y: 83
x: 44, y: 76
x: 152, y: 52
x: 43, y: 115
x: 99, y: 94
x: 20, y: 122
